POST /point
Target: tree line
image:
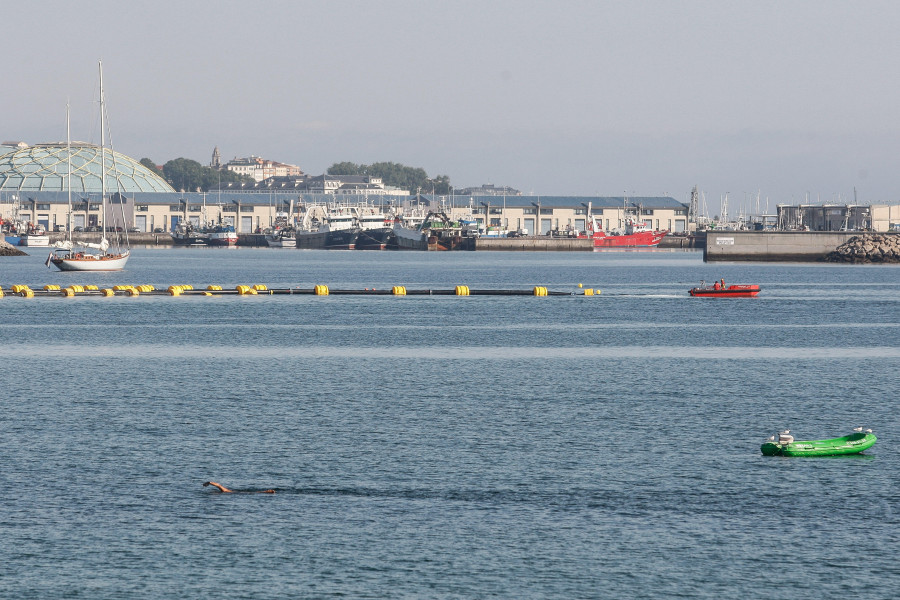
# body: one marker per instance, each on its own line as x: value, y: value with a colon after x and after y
x: 413, y: 179
x: 189, y: 175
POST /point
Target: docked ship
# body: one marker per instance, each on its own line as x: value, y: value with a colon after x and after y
x: 35, y: 235
x: 186, y: 234
x: 222, y: 235
x: 634, y: 234
x: 282, y: 234
x: 331, y: 229
x: 374, y: 232
x: 407, y: 232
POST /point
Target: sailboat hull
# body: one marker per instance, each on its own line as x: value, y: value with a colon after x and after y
x: 91, y: 262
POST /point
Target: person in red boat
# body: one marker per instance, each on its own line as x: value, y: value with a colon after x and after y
x: 225, y: 490
x: 716, y: 285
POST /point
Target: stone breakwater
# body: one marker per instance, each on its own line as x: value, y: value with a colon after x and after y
x: 7, y: 249
x: 868, y: 248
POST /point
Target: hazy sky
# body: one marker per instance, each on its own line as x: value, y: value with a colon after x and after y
x: 558, y: 97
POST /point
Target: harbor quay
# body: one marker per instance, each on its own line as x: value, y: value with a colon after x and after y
x: 776, y: 246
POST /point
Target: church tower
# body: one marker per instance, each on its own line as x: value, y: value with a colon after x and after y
x: 216, y: 159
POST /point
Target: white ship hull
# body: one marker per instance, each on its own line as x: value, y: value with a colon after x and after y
x: 91, y: 262
x: 279, y: 241
x: 35, y: 240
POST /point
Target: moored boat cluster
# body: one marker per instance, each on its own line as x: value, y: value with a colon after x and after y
x: 868, y: 248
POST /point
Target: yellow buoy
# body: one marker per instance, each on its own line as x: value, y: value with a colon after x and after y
x: 217, y: 288
x: 540, y: 290
x: 579, y: 286
x: 260, y: 287
x: 462, y: 290
x: 589, y: 292
x: 321, y: 290
x: 68, y: 292
x: 109, y: 292
x: 132, y: 291
x: 398, y: 290
x: 51, y: 287
x: 27, y: 293
x: 94, y: 287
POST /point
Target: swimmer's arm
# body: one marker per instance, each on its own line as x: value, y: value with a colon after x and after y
x: 221, y: 487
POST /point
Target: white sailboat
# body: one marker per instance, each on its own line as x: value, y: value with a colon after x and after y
x: 88, y: 256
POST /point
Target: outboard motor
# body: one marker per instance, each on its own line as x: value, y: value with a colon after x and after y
x: 785, y: 437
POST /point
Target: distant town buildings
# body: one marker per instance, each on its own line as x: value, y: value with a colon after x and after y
x: 259, y: 169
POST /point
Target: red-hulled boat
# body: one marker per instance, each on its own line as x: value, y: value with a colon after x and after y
x: 720, y: 290
x: 636, y: 233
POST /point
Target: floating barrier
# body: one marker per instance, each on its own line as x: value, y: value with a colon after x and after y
x: 260, y: 289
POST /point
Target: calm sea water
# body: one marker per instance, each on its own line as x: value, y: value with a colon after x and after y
x: 444, y: 447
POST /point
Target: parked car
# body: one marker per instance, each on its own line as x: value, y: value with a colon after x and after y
x: 134, y: 230
x: 78, y: 228
x: 158, y: 230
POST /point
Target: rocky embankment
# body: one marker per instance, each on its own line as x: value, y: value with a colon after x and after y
x: 868, y: 248
x: 7, y: 249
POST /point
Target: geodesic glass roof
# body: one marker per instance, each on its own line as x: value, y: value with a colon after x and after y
x: 43, y: 168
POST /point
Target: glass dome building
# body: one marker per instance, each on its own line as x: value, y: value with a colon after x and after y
x: 43, y: 168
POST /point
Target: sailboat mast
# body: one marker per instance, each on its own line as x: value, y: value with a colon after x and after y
x: 102, y: 153
x: 68, y: 174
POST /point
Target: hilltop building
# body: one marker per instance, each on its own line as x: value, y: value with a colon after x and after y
x: 258, y: 168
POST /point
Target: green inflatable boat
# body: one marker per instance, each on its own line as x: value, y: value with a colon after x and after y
x: 784, y: 445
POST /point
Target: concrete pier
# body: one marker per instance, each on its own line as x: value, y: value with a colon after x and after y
x: 535, y: 242
x: 772, y: 246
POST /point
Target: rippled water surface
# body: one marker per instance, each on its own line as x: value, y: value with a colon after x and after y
x: 447, y: 447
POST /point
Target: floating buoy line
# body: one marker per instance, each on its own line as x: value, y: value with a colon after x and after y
x: 25, y: 291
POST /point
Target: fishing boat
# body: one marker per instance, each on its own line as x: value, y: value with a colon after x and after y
x: 720, y: 290
x: 222, y: 235
x: 186, y: 234
x: 89, y: 256
x: 35, y: 236
x: 635, y: 233
x: 332, y: 229
x: 282, y: 234
x: 374, y: 232
x: 783, y: 444
x: 407, y: 231
x: 281, y: 238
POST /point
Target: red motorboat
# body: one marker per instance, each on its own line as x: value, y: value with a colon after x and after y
x: 720, y: 290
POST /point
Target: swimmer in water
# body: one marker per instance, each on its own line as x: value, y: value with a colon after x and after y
x: 225, y: 490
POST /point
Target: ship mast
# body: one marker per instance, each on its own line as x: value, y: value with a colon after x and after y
x: 102, y: 156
